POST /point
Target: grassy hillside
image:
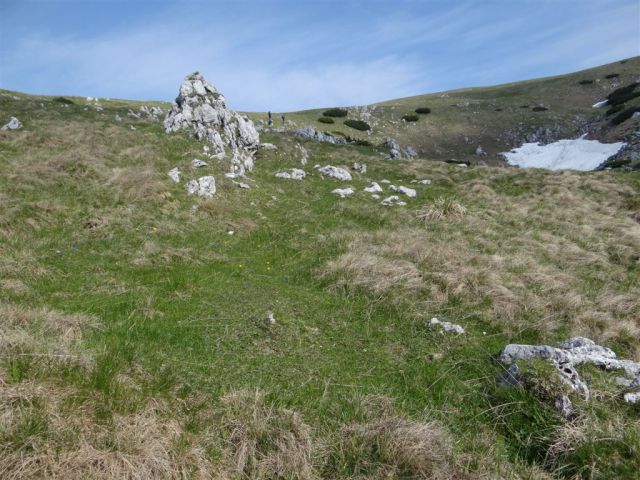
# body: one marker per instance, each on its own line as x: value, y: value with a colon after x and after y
x: 492, y: 117
x: 134, y: 335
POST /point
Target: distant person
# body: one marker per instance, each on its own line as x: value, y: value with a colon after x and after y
x: 283, y: 119
x: 270, y: 119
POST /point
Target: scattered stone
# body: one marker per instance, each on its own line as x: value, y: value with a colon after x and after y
x: 292, y: 174
x: 446, y: 326
x: 375, y: 196
x: 564, y: 406
x: 200, y: 108
x: 374, y: 188
x: 600, y: 104
x: 462, y: 165
x: 511, y: 377
x: 394, y: 149
x: 410, y: 153
x: 268, y: 146
x: 131, y: 127
x: 422, y: 182
x: 196, y: 163
x: 480, y: 151
x: 174, y: 174
x: 633, y: 397
x: 409, y: 192
x: 118, y: 118
x: 393, y: 200
x: 359, y: 167
x: 344, y: 192
x: 311, y: 133
x: 244, y: 186
x: 304, y: 154
x: 335, y: 172
x: 384, y: 181
x: 203, y: 187
x: 13, y: 124
x: 271, y: 320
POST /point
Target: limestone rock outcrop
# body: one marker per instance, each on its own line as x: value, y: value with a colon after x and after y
x: 203, y: 110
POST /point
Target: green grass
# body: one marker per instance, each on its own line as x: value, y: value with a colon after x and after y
x: 182, y: 304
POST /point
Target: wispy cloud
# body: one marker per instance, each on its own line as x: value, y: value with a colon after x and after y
x: 284, y: 55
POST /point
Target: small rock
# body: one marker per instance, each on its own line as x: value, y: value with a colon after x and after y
x: 118, y: 118
x: 600, y: 104
x: 203, y: 187
x: 511, y: 377
x: 384, y: 181
x: 271, y: 320
x: 374, y: 188
x: 196, y: 163
x: 480, y: 151
x: 422, y: 182
x: 292, y: 174
x: 446, y: 326
x: 335, y: 172
x: 375, y: 196
x: 268, y: 146
x: 359, y: 167
x: 564, y: 406
x: 311, y: 133
x: 174, y: 174
x: 409, y: 192
x: 13, y: 124
x: 344, y: 192
x: 392, y: 200
x: 633, y: 397
x: 244, y: 186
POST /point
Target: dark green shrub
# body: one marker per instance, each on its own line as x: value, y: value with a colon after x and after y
x: 326, y: 120
x: 614, y: 109
x: 335, y: 112
x: 66, y: 101
x: 585, y: 82
x: 423, y: 110
x: 539, y: 109
x: 612, y: 75
x: 498, y: 110
x: 623, y: 94
x: 625, y: 115
x: 358, y: 125
x: 524, y: 106
x: 411, y: 118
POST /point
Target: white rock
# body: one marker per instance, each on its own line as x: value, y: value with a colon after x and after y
x: 344, y: 192
x: 409, y: 192
x: 422, y: 182
x: 463, y: 165
x: 360, y: 167
x: 268, y: 146
x: 446, y: 326
x: 174, y: 174
x: 244, y: 186
x: 203, y: 187
x: 633, y: 397
x: 385, y: 181
x: 13, y: 124
x: 600, y: 104
x: 374, y: 188
x: 336, y: 172
x: 196, y: 163
x: 375, y: 196
x: 292, y: 174
x: 118, y: 118
x: 304, y: 154
x: 271, y: 320
x: 393, y: 200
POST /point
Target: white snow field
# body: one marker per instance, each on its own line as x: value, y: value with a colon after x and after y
x: 577, y: 154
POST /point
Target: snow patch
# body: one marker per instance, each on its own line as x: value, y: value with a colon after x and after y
x: 577, y: 154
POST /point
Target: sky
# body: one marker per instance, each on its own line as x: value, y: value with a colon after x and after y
x: 286, y: 55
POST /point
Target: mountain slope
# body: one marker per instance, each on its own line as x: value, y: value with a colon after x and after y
x: 136, y: 334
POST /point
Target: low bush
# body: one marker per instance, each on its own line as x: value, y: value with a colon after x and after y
x: 585, y: 82
x: 524, y: 106
x: 411, y: 118
x: 326, y: 120
x: 423, y: 110
x: 335, y: 112
x: 498, y: 110
x: 614, y: 109
x: 66, y: 101
x: 612, y: 75
x: 539, y: 109
x: 624, y: 115
x: 623, y: 94
x: 358, y: 125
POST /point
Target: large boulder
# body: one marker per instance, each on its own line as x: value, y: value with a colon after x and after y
x: 201, y: 109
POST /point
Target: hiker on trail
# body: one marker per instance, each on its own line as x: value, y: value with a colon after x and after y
x: 270, y: 119
x: 283, y: 119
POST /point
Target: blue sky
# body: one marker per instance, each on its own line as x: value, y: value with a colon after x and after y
x: 285, y: 55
